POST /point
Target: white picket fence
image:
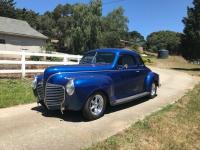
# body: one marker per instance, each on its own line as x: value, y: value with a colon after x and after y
x: 68, y: 59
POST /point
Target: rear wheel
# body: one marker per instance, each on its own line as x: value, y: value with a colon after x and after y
x: 153, y: 91
x: 95, y: 106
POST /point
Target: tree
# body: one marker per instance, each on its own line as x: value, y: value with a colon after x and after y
x: 114, y: 27
x: 191, y: 37
x: 164, y: 40
x: 95, y: 9
x: 86, y: 30
x: 78, y: 27
x: 63, y: 22
x: 7, y: 8
x: 27, y: 15
x: 135, y: 39
x: 47, y: 25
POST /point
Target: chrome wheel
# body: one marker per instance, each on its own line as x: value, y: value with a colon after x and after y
x: 96, y: 105
x: 153, y: 89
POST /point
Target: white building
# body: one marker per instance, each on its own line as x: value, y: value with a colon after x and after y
x: 17, y: 35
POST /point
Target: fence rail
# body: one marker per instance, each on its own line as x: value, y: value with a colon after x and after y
x: 67, y: 59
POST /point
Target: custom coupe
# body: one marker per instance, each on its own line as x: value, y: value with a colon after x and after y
x: 103, y: 77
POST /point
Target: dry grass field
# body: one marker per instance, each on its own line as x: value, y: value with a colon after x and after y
x: 177, y: 63
x: 175, y: 127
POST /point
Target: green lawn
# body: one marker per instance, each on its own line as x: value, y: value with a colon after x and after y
x: 175, y: 127
x: 15, y: 92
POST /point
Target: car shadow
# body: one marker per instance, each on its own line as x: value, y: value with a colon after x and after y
x: 112, y: 109
x: 76, y: 116
x: 187, y: 69
x: 71, y: 116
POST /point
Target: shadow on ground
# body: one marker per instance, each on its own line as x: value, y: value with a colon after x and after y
x: 76, y: 116
x: 187, y: 69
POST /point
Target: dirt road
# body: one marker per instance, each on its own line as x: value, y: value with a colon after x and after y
x: 30, y: 127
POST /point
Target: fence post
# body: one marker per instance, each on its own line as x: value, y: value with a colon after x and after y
x: 79, y: 59
x: 23, y: 62
x: 65, y: 60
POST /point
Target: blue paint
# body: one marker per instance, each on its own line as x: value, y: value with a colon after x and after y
x: 115, y: 83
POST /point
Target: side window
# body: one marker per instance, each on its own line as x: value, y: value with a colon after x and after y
x: 127, y: 60
x: 140, y: 61
x: 88, y: 58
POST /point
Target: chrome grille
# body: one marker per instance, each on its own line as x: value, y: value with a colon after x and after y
x: 54, y: 95
x: 40, y: 91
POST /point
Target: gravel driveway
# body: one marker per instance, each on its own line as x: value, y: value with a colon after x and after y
x: 30, y: 127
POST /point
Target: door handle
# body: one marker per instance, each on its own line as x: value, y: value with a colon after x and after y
x: 137, y: 71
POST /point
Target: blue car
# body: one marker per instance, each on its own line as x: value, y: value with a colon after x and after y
x: 103, y: 77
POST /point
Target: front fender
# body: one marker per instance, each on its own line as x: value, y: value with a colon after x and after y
x: 150, y: 78
x: 85, y: 85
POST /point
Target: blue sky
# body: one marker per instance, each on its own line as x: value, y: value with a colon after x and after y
x: 145, y: 16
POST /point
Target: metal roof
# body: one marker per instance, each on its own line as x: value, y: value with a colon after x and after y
x: 18, y: 27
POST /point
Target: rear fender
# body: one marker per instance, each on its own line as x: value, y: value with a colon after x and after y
x: 151, y: 77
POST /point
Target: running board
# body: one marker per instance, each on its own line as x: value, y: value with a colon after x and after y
x: 131, y: 98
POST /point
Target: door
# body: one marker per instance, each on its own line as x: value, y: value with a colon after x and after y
x: 142, y: 71
x: 125, y: 84
x: 129, y: 77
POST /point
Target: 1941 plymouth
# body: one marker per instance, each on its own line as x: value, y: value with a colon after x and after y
x: 103, y: 77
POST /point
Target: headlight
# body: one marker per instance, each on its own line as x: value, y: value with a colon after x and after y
x: 70, y: 87
x: 34, y: 83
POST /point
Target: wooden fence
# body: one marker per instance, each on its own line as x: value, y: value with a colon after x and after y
x: 67, y: 59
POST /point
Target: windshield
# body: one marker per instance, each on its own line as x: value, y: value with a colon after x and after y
x: 98, y: 58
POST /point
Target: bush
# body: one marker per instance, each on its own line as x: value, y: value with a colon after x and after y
x: 36, y: 58
x: 54, y: 59
x: 136, y: 48
x: 149, y: 59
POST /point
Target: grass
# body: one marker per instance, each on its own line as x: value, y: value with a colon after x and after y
x: 15, y: 92
x: 174, y: 127
x: 177, y: 63
x: 173, y: 62
x: 149, y: 60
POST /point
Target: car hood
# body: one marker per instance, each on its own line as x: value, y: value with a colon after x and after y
x: 74, y: 68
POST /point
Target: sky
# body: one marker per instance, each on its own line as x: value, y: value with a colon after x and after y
x: 145, y: 16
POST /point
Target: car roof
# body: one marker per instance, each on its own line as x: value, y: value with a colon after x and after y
x: 115, y: 50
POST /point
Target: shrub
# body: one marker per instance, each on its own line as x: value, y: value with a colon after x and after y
x: 36, y: 58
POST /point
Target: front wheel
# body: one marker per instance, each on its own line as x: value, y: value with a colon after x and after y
x: 95, y: 106
x: 153, y: 91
